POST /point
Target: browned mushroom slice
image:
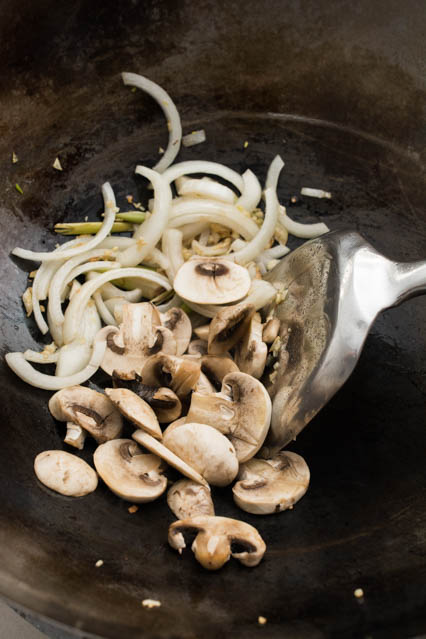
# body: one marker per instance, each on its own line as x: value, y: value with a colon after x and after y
x: 217, y: 539
x: 210, y: 280
x: 129, y: 473
x: 228, y: 326
x: 89, y: 409
x: 135, y: 410
x: 268, y: 486
x: 251, y: 352
x: 181, y: 374
x: 179, y: 324
x: 164, y: 402
x: 242, y: 411
x: 186, y: 499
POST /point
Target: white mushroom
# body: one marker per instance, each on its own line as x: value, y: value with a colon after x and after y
x: 204, y: 385
x: 75, y: 436
x: 89, y: 409
x: 268, y: 486
x: 65, y: 473
x: 129, y: 473
x: 251, y: 352
x: 205, y: 449
x: 197, y: 347
x: 179, y: 324
x: 202, y: 332
x: 186, y: 499
x: 210, y: 280
x: 270, y: 331
x: 217, y: 539
x: 181, y: 374
x: 228, y: 326
x: 242, y: 411
x: 140, y: 336
x: 216, y: 367
x: 135, y: 409
x: 165, y: 403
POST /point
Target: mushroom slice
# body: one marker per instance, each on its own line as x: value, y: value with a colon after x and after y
x: 165, y: 403
x: 65, y: 473
x: 204, y: 385
x: 242, y: 411
x: 202, y: 332
x: 179, y: 324
x: 228, y: 326
x: 75, y: 436
x: 159, y: 449
x: 270, y: 331
x: 215, y: 367
x: 197, y: 347
x: 210, y: 280
x: 217, y: 539
x: 89, y: 409
x: 129, y: 473
x: 205, y: 449
x: 140, y: 336
x: 181, y: 374
x: 186, y: 499
x: 135, y: 409
x: 268, y: 486
x: 251, y: 352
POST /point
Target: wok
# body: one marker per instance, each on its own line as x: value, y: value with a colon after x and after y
x: 338, y: 89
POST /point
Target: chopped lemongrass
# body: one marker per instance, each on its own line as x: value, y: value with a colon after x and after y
x: 18, y: 188
x: 14, y: 157
x: 319, y: 193
x: 193, y: 138
x: 57, y: 165
x: 90, y: 228
x: 246, y: 144
x: 131, y: 216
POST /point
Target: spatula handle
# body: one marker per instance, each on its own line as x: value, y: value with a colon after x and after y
x: 410, y: 280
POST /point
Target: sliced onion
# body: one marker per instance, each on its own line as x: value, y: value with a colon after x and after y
x: 190, y: 210
x: 315, y: 193
x: 304, y: 231
x: 189, y: 231
x: 273, y: 174
x: 205, y: 187
x: 252, y: 192
x: 116, y: 242
x: 41, y: 358
x: 221, y: 248
x: 103, y: 309
x: 170, y: 111
x: 115, y: 307
x: 148, y: 234
x: 108, y: 221
x: 75, y: 309
x: 175, y: 301
x: 73, y: 358
x: 275, y: 252
x: 201, y: 166
x: 24, y: 370
x: 193, y: 138
x: 157, y: 258
x: 171, y: 243
x: 109, y: 291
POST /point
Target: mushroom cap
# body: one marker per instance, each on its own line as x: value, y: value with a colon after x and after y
x: 216, y: 367
x: 217, y: 539
x: 202, y: 332
x: 89, y: 409
x: 180, y: 373
x: 186, y: 499
x: 241, y: 411
x: 269, y: 486
x: 169, y: 456
x: 204, y: 385
x: 251, y: 352
x: 228, y: 326
x: 165, y: 403
x: 135, y: 409
x: 65, y: 473
x: 179, y: 324
x: 210, y: 280
x: 197, y: 347
x: 129, y: 473
x: 140, y: 335
x: 205, y: 449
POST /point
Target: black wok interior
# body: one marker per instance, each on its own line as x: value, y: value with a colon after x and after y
x: 338, y: 89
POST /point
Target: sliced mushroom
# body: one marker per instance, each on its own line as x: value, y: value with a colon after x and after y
x: 165, y: 403
x: 271, y: 328
x: 217, y: 539
x: 179, y: 324
x: 242, y: 411
x: 129, y: 473
x: 140, y: 336
x: 215, y: 367
x: 205, y: 449
x: 135, y: 409
x: 204, y: 385
x: 197, y: 347
x: 210, y: 280
x: 75, y: 436
x: 181, y: 374
x: 159, y: 449
x: 65, y: 473
x: 228, y: 326
x: 175, y: 424
x: 268, y: 486
x: 202, y: 332
x: 89, y: 409
x: 251, y: 352
x: 186, y: 499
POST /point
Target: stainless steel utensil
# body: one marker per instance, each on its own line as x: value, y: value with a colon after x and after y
x: 334, y: 288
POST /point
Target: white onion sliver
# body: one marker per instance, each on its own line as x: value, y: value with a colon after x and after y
x: 319, y: 193
x: 158, y: 258
x: 24, y: 370
x: 75, y: 309
x: 171, y: 243
x: 109, y: 291
x: 106, y: 316
x: 193, y: 138
x: 175, y: 301
x: 91, y: 323
x: 252, y: 192
x: 116, y: 242
x: 202, y: 166
x: 115, y: 307
x: 73, y: 358
x: 218, y: 211
x: 260, y: 294
x: 273, y: 174
x: 205, y: 187
x: 108, y: 221
x: 170, y: 111
x: 275, y: 252
x: 42, y: 357
x: 189, y: 231
x: 304, y: 231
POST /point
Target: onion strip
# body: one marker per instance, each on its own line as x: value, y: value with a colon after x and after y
x: 205, y: 187
x: 202, y: 166
x: 171, y: 243
x: 304, y: 231
x: 252, y: 192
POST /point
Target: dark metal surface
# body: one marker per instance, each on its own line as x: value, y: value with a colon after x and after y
x: 363, y: 521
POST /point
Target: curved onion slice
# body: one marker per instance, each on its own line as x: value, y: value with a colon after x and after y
x: 76, y: 307
x: 169, y: 109
x: 201, y: 166
x: 109, y: 290
x: 148, y: 234
x: 304, y: 231
x: 188, y: 210
x: 108, y: 221
x: 252, y: 192
x: 103, y: 310
x: 43, y: 357
x: 24, y: 370
x: 171, y: 243
x: 205, y: 187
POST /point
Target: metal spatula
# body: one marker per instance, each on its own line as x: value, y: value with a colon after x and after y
x: 335, y: 286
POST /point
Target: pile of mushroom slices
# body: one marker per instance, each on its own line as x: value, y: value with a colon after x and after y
x: 202, y: 383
